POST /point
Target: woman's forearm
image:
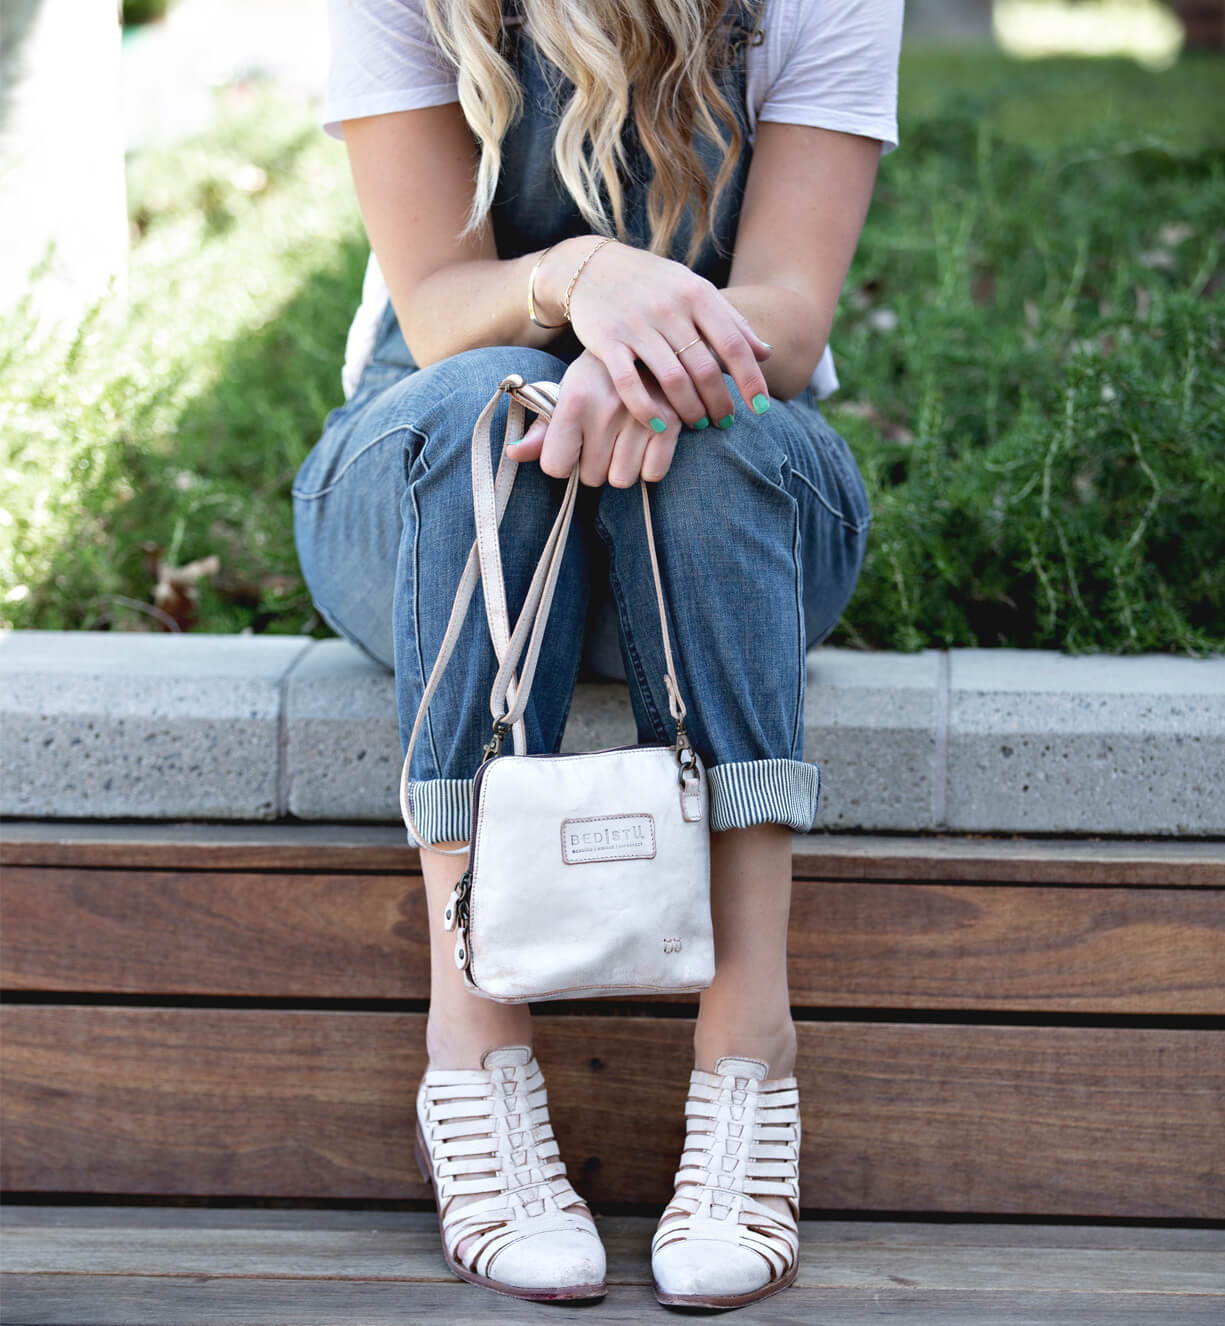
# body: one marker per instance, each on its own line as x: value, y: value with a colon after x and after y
x: 795, y: 326
x: 465, y: 305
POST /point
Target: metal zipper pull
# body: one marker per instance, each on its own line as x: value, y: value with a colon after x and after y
x: 451, y: 912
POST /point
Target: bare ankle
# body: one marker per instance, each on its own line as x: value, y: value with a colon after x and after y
x: 459, y: 1041
x: 774, y: 1045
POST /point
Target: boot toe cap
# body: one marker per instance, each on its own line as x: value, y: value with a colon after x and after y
x: 568, y: 1260
x: 708, y: 1268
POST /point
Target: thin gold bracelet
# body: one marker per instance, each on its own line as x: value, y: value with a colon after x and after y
x: 531, y: 295
x: 578, y: 271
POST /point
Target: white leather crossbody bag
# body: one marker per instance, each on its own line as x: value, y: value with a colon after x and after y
x: 588, y: 874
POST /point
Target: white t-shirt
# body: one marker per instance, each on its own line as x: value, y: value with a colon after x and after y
x: 827, y: 63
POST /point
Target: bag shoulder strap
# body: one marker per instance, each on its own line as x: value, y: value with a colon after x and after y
x: 509, y: 695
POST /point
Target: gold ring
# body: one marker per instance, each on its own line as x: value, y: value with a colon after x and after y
x: 687, y: 345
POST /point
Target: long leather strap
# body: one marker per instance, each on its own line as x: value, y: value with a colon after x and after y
x: 509, y: 695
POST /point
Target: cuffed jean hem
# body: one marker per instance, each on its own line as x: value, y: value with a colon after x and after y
x: 742, y: 793
x: 442, y: 808
x: 747, y: 792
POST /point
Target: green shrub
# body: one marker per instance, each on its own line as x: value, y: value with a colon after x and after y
x: 1030, y: 349
x: 175, y: 428
x: 1033, y: 380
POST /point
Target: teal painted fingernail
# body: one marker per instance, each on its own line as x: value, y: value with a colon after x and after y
x: 703, y: 422
x: 726, y: 421
x: 761, y: 403
x: 658, y: 425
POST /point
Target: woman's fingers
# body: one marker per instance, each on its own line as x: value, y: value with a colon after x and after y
x: 528, y: 446
x: 727, y: 341
x: 657, y: 458
x: 672, y: 374
x: 623, y: 371
x: 563, y: 438
x: 591, y: 425
x: 707, y: 376
x: 627, y: 453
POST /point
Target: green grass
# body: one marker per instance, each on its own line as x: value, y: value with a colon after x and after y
x: 1030, y: 350
x: 179, y: 426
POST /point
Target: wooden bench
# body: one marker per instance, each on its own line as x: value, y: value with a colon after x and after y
x: 1000, y: 1027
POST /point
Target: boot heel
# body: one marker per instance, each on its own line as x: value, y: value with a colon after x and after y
x: 424, y: 1167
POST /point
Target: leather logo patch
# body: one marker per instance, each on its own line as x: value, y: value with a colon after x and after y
x: 607, y: 838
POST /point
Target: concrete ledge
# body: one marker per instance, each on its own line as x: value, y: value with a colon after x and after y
x: 107, y: 726
x: 110, y: 725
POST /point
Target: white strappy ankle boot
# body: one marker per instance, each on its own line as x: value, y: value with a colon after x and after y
x: 716, y: 1245
x: 484, y: 1134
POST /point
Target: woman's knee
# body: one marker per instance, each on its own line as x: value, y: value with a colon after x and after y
x: 721, y: 478
x: 462, y: 384
x: 441, y: 403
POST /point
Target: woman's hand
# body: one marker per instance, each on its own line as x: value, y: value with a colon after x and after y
x: 634, y: 310
x: 593, y: 426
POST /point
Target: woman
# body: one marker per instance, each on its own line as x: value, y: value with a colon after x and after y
x: 730, y: 155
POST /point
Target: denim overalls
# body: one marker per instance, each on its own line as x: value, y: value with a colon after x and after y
x: 760, y: 530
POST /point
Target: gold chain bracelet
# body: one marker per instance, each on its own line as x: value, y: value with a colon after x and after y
x: 578, y: 271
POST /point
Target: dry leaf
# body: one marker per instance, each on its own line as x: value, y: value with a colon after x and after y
x: 1173, y: 233
x: 890, y: 430
x: 1160, y: 260
x: 175, y: 591
x: 982, y: 288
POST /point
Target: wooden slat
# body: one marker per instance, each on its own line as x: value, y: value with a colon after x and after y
x: 381, y: 848
x: 1084, y: 1122
x: 146, y: 1221
x: 190, y: 845
x: 1141, y: 862
x: 1008, y: 947
x: 404, y: 1245
x: 322, y: 936
x: 68, y: 1300
x: 220, y: 933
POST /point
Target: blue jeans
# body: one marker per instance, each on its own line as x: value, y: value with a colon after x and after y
x: 760, y: 531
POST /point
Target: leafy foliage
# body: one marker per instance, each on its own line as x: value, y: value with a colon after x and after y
x: 1033, y: 381
x: 1030, y: 350
x: 170, y: 430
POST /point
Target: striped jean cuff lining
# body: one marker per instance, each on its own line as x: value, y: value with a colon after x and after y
x: 743, y: 793
x: 750, y: 792
x: 442, y: 808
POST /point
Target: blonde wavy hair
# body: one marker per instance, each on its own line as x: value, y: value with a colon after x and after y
x: 654, y: 59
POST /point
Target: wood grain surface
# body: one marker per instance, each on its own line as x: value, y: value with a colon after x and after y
x: 109, y: 1265
x: 853, y: 944
x: 92, y: 1232
x: 72, y: 1300
x: 158, y: 932
x: 294, y: 847
x: 1063, y: 1121
x: 404, y: 1245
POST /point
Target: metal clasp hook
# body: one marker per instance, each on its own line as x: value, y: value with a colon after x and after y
x: 494, y: 745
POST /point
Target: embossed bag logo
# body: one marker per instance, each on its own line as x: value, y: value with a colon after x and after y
x: 607, y: 838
